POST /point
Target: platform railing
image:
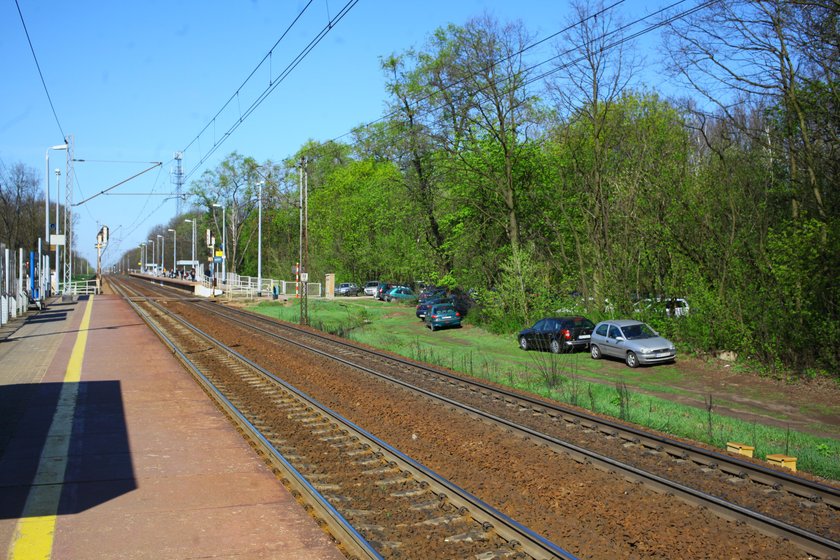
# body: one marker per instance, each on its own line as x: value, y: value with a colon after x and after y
x: 82, y: 288
x: 250, y: 286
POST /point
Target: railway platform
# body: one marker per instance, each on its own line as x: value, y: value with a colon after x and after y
x: 109, y: 449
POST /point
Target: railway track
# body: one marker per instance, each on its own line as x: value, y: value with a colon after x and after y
x: 375, y: 501
x: 780, y: 505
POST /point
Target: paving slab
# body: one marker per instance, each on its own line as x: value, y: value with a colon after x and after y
x: 150, y: 467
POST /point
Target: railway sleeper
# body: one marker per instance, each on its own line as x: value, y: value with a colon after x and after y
x: 447, y: 519
x: 471, y: 536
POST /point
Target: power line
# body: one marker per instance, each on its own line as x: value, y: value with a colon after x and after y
x: 492, y: 65
x: 235, y: 95
x: 111, y: 161
x: 622, y: 40
x: 105, y: 191
x: 544, y: 75
x: 41, y: 74
x: 273, y: 83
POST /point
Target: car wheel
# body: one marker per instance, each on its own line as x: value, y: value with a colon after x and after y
x: 555, y: 346
x: 632, y: 360
x: 594, y: 351
x: 523, y: 343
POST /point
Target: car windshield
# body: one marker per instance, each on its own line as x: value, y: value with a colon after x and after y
x: 444, y: 309
x: 579, y: 322
x: 639, y: 330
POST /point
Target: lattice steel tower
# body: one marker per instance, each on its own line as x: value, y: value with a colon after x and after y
x: 178, y: 179
x: 68, y: 215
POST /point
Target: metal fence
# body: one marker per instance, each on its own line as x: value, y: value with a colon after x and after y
x: 250, y: 287
x: 14, y: 296
x: 82, y: 288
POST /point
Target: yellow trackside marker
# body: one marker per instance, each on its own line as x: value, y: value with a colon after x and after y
x: 33, y: 539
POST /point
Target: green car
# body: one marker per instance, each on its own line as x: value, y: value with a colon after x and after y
x: 442, y: 315
x: 400, y: 293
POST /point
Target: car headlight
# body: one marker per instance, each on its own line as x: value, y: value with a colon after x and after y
x: 645, y: 350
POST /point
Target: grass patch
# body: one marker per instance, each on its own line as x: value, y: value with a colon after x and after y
x: 569, y: 378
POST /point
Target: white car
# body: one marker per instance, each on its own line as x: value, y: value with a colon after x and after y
x: 370, y: 287
x: 671, y: 307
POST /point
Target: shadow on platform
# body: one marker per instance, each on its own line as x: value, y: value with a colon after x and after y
x: 99, y: 466
x: 108, y: 328
x: 49, y: 315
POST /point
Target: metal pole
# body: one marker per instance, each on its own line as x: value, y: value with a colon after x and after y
x: 46, y: 214
x: 45, y: 263
x: 57, y: 231
x: 161, y: 251
x: 259, y: 243
x: 224, y: 244
x: 68, y: 215
x: 174, y: 246
x: 193, y: 240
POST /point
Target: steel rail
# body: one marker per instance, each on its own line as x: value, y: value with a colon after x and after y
x: 779, y: 480
x: 338, y: 527
x: 808, y: 541
x: 522, y: 538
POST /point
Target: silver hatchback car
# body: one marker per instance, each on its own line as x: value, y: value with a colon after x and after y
x: 632, y: 341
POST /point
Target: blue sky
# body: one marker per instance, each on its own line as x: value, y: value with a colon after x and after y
x: 137, y: 81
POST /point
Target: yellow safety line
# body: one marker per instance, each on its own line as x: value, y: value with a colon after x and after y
x: 33, y: 539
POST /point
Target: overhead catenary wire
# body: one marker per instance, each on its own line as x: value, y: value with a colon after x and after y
x: 330, y: 25
x: 272, y: 85
x: 235, y: 94
x: 40, y: 73
x: 156, y: 164
x: 622, y: 40
x: 544, y: 75
x: 488, y: 67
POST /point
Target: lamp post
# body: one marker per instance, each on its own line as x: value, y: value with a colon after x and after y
x: 174, y: 245
x: 152, y: 242
x: 193, y: 239
x: 142, y: 258
x: 57, y: 232
x: 259, y: 241
x: 162, y: 241
x: 45, y: 276
x: 224, y: 241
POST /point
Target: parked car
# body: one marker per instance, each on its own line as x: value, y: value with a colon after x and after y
x: 674, y: 307
x: 370, y: 287
x: 442, y: 315
x: 632, y: 341
x: 401, y: 293
x: 382, y: 289
x: 670, y: 307
x: 558, y: 334
x: 462, y: 300
x: 423, y: 305
x: 347, y: 289
x: 431, y: 292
